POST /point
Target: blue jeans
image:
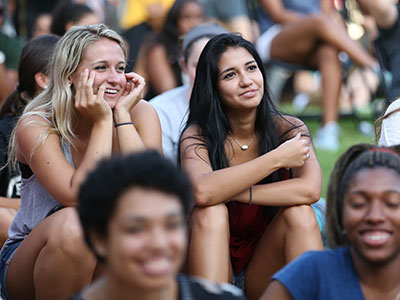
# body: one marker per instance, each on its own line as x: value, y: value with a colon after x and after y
x: 238, y: 281
x: 6, y: 255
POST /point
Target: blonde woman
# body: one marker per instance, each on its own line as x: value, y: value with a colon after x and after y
x: 90, y: 110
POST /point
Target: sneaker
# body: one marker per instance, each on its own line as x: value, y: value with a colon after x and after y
x: 300, y: 102
x: 327, y: 137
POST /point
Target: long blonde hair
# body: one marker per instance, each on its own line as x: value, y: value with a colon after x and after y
x: 56, y: 103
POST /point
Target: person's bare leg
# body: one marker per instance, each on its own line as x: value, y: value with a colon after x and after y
x: 53, y: 262
x: 293, y: 231
x: 298, y: 40
x: 6, y: 217
x: 209, y: 255
x: 331, y: 80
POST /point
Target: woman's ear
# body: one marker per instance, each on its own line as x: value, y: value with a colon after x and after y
x: 183, y: 65
x: 42, y: 80
x: 98, y: 243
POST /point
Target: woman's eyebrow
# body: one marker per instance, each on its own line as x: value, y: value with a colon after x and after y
x: 226, y: 70
x: 105, y: 62
x: 232, y: 68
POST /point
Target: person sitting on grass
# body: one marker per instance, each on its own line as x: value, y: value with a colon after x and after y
x: 253, y: 213
x: 90, y: 110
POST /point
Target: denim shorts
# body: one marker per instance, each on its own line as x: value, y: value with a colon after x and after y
x: 6, y: 255
x: 238, y: 281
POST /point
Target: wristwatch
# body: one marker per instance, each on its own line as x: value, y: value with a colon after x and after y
x: 2, y: 57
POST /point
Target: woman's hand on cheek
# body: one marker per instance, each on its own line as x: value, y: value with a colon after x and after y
x: 132, y: 93
x: 90, y: 105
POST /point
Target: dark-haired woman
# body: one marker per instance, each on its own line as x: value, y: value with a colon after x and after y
x: 363, y: 219
x: 159, y: 56
x: 254, y: 172
x: 33, y: 78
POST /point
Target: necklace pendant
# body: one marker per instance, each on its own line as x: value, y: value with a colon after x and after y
x: 245, y: 147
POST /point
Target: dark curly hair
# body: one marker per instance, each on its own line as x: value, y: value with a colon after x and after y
x: 100, y: 193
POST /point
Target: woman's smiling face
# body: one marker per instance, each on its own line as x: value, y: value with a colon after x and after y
x: 106, y: 58
x: 371, y: 215
x: 240, y: 81
x: 145, y: 247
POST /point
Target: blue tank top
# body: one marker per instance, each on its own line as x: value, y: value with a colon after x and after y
x: 305, y: 7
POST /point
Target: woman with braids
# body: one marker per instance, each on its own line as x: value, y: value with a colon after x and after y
x: 248, y: 221
x: 90, y: 110
x: 363, y: 220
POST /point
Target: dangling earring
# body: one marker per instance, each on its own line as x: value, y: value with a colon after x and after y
x: 45, y: 87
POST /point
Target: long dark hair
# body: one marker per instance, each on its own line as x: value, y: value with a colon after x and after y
x: 207, y: 111
x: 170, y: 37
x: 35, y: 57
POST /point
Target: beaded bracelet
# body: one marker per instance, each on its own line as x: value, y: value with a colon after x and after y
x: 121, y: 124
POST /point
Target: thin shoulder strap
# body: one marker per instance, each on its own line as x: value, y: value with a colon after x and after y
x: 44, y: 118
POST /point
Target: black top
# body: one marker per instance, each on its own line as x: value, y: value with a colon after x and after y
x: 195, y: 288
x: 9, y: 181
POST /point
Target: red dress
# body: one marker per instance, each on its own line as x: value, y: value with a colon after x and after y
x: 247, y: 224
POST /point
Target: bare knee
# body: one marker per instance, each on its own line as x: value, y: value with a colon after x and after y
x: 210, y: 218
x: 66, y: 233
x: 300, y: 217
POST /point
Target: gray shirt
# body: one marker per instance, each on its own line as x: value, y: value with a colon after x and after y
x: 36, y: 204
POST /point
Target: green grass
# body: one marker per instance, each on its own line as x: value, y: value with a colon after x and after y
x: 350, y: 135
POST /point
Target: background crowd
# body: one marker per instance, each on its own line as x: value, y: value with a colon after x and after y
x: 179, y: 102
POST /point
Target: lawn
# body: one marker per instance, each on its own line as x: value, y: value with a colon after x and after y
x: 350, y: 135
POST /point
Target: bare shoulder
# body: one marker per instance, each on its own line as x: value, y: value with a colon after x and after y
x: 157, y: 51
x: 143, y: 110
x: 31, y: 132
x: 191, y: 138
x: 32, y: 124
x: 191, y: 130
x: 289, y: 126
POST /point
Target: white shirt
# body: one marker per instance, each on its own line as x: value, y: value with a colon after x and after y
x: 173, y: 109
x: 390, y: 129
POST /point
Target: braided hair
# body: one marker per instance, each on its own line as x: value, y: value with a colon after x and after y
x: 355, y: 159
